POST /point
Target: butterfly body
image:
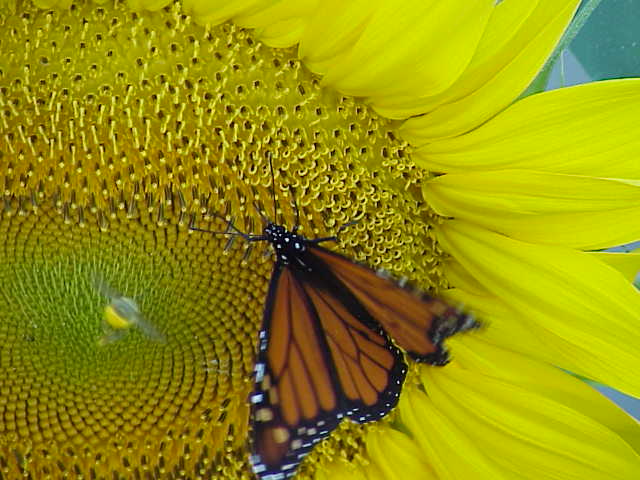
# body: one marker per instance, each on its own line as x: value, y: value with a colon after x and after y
x: 287, y: 245
x: 325, y: 350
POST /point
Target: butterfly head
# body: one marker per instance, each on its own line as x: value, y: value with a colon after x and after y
x: 287, y: 245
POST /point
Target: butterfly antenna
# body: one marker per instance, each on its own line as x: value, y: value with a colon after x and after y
x: 346, y: 225
x: 334, y: 238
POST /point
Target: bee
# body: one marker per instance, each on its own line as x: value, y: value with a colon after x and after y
x: 122, y: 314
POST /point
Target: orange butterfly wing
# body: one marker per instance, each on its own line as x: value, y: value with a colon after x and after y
x: 417, y: 322
x: 320, y: 358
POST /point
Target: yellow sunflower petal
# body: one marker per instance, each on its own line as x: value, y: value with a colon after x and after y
x: 410, y: 34
x: 540, y: 207
x: 151, y: 5
x: 531, y: 419
x: 503, y: 326
x: 506, y: 334
x: 373, y: 472
x: 215, y: 12
x: 499, y: 72
x: 518, y: 38
x: 588, y: 129
x: 277, y: 23
x: 330, y: 36
x: 589, y: 310
x: 459, y: 277
x: 475, y: 354
x: 341, y: 470
x: 628, y: 264
x: 447, y: 447
x: 397, y: 456
x: 282, y: 24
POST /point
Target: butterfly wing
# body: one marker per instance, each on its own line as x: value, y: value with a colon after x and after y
x: 104, y: 288
x: 149, y: 330
x: 110, y: 335
x: 417, y: 322
x: 320, y: 358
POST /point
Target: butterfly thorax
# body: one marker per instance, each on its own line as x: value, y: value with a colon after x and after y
x: 287, y: 245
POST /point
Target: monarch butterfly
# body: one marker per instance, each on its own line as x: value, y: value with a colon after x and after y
x: 325, y: 350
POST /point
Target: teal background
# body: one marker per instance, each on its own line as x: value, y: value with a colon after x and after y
x: 607, y: 47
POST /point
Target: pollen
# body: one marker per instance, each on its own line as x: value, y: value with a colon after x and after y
x: 118, y: 131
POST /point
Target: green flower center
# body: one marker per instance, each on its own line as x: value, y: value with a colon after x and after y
x: 119, y: 131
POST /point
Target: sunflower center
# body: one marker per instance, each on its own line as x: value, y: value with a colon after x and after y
x: 127, y: 341
x: 107, y: 109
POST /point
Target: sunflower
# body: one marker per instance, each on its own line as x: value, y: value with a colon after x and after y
x: 127, y: 340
